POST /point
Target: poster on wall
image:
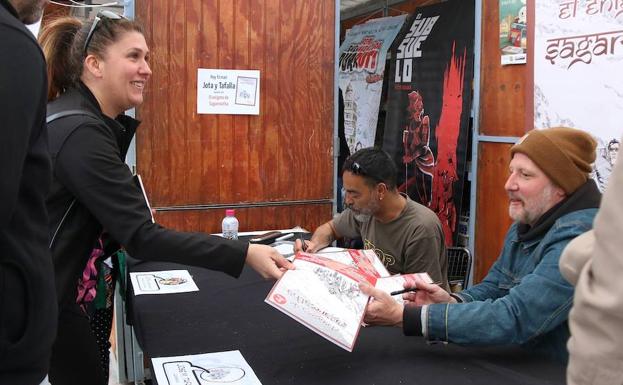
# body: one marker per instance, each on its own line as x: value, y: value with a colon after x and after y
x: 429, y: 101
x: 232, y: 92
x: 513, y: 31
x: 578, y: 77
x: 360, y: 78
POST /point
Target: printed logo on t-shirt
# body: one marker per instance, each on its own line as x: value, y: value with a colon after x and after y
x: 387, y: 259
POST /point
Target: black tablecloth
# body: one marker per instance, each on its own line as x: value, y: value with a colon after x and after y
x: 230, y: 314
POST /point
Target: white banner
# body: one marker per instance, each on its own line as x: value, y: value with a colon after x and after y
x: 578, y: 72
x: 361, y: 69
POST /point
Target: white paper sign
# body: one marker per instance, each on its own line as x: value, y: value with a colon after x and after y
x: 163, y: 282
x: 199, y: 369
x: 234, y: 92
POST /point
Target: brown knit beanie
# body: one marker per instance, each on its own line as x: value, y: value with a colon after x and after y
x: 564, y: 154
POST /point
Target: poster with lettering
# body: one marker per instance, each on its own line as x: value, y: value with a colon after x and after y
x: 513, y: 31
x: 361, y: 70
x: 231, y: 92
x: 429, y: 101
x: 578, y: 77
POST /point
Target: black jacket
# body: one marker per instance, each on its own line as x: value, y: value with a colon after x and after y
x: 88, y: 162
x: 27, y: 298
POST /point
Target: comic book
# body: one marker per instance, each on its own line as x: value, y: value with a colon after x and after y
x: 323, y: 294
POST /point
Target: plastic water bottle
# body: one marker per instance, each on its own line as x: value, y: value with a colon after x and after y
x: 230, y: 225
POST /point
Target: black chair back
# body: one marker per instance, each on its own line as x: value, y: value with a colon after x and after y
x: 459, y: 267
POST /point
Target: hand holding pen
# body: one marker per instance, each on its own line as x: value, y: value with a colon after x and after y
x: 424, y: 293
x: 301, y: 245
x: 410, y: 289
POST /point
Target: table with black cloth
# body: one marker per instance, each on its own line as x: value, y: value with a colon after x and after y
x: 230, y: 314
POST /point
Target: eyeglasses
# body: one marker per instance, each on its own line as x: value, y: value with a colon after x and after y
x: 100, y: 15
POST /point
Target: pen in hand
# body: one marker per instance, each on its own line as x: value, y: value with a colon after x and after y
x: 412, y: 289
x: 403, y: 291
x: 303, y: 244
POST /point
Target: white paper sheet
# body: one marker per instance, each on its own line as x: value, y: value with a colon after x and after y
x: 285, y: 248
x: 200, y: 369
x: 163, y: 282
x: 396, y: 282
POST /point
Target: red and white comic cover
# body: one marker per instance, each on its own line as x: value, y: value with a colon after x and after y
x: 323, y: 294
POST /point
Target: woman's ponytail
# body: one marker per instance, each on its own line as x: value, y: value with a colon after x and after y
x: 63, y: 61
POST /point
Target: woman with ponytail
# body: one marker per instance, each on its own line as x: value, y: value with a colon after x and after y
x: 98, y: 70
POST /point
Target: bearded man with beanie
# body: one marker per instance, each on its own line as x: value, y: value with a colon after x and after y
x: 523, y: 300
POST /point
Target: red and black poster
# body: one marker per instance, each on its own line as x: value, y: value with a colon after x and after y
x: 428, y: 109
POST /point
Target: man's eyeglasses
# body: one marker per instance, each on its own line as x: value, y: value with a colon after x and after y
x: 100, y: 15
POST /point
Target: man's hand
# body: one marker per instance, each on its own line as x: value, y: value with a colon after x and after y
x: 382, y: 309
x: 426, y: 293
x: 322, y: 237
x: 267, y: 261
x: 304, y: 245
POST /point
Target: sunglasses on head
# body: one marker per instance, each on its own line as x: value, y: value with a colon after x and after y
x: 358, y: 169
x: 100, y: 15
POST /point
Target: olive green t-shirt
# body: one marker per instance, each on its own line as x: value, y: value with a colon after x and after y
x: 411, y: 243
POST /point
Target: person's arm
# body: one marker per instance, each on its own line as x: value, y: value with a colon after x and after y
x: 322, y: 237
x: 534, y: 305
x: 90, y: 167
x: 596, y: 319
x: 490, y: 287
x: 382, y: 310
x: 21, y: 77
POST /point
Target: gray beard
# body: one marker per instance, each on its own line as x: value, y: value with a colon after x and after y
x: 362, y: 217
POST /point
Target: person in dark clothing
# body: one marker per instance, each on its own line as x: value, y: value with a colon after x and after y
x: 100, y: 69
x: 27, y: 298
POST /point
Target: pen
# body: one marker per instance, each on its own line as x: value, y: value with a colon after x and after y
x: 413, y: 289
x: 284, y: 237
x: 303, y: 244
x: 403, y: 291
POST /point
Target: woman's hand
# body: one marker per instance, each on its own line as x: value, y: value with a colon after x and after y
x: 267, y: 261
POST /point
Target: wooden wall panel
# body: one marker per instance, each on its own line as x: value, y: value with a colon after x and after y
x: 284, y: 154
x: 53, y: 11
x: 502, y: 88
x: 272, y: 217
x: 492, y: 220
x: 502, y: 113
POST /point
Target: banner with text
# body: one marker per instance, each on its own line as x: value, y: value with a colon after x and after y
x: 361, y: 68
x: 430, y: 95
x: 578, y: 77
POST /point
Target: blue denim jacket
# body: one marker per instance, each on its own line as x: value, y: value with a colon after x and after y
x: 523, y: 299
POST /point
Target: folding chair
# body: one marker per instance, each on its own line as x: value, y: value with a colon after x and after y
x: 459, y: 266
